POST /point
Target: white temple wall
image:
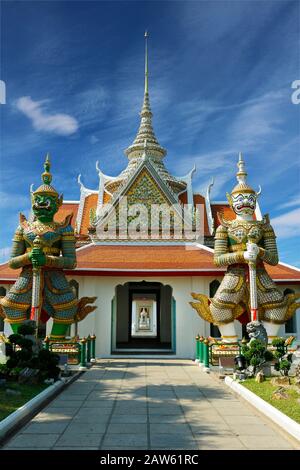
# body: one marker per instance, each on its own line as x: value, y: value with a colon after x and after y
x: 188, y: 323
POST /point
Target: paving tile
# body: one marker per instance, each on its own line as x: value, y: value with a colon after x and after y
x: 193, y: 406
x: 233, y: 410
x: 64, y: 397
x: 164, y: 387
x: 220, y: 443
x: 80, y: 393
x: 211, y: 428
x: 104, y: 418
x: 67, y: 403
x: 175, y: 418
x: 125, y: 410
x: 130, y: 418
x: 168, y: 428
x: 85, y: 428
x: 132, y: 440
x: 46, y: 428
x: 265, y: 443
x: 164, y: 394
x: 234, y: 420
x: 101, y: 396
x: 74, y: 448
x: 126, y: 447
x: 55, y: 413
x: 97, y: 404
x: 79, y: 440
x: 130, y: 402
x: 174, y: 446
x: 204, y: 417
x: 94, y: 411
x: 131, y: 428
x: 164, y: 409
x: 253, y: 430
x: 175, y: 441
x: 24, y: 448
x: 33, y: 441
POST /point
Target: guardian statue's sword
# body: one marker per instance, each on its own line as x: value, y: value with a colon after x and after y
x: 252, y: 283
x: 36, y: 287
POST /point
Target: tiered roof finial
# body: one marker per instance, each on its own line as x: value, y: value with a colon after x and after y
x: 146, y: 61
x: 46, y: 188
x: 145, y: 130
x: 241, y: 176
x: 46, y: 176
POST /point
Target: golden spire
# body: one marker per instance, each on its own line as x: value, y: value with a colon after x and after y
x: 146, y: 61
x: 145, y: 131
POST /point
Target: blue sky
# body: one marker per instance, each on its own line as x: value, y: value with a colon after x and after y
x: 220, y: 83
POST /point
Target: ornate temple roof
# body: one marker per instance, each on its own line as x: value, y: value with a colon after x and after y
x: 133, y: 259
x: 146, y: 143
x: 144, y: 153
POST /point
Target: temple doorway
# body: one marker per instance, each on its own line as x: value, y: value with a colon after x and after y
x: 143, y: 318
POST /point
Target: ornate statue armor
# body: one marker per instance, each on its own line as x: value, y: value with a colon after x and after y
x: 57, y: 252
x: 235, y: 243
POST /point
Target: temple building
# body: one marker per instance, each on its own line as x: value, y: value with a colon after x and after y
x: 143, y: 273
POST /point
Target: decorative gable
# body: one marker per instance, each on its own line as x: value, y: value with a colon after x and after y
x: 146, y: 206
x: 145, y: 190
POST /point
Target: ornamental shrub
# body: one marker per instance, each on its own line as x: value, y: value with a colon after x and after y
x: 21, y: 355
x: 283, y: 359
x: 256, y: 354
x: 26, y: 329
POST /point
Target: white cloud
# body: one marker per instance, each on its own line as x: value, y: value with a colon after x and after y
x: 14, y: 200
x: 91, y: 105
x: 217, y: 164
x: 61, y: 124
x: 292, y: 203
x: 258, y: 122
x: 4, y: 254
x: 287, y: 225
x: 94, y: 139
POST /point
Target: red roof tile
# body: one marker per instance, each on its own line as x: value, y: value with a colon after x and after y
x: 143, y: 257
x: 89, y: 203
x: 223, y: 209
x: 171, y: 258
x: 66, y: 209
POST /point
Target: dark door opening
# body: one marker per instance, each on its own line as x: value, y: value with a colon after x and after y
x: 143, y: 317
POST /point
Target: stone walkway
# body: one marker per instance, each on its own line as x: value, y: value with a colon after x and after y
x: 148, y: 404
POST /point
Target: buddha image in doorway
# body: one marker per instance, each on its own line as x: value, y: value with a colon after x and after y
x: 144, y: 318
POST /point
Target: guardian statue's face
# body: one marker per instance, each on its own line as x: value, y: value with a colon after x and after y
x: 44, y: 207
x: 243, y: 203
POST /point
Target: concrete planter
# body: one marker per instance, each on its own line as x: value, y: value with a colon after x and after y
x: 21, y: 415
x: 287, y: 424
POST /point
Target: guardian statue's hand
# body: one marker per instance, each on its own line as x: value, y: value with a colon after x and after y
x: 249, y: 256
x: 37, y: 257
x: 252, y: 252
x: 253, y: 248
